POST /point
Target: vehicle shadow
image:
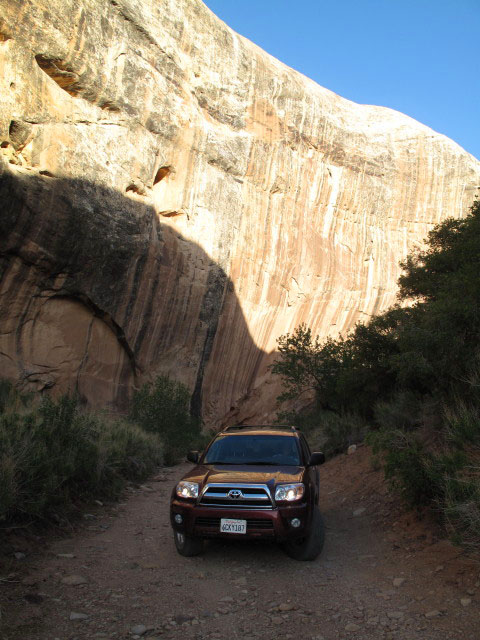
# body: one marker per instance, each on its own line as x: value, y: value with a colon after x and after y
x: 254, y: 551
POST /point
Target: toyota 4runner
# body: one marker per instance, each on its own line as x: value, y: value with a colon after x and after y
x: 251, y: 482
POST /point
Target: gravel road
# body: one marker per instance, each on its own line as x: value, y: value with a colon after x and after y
x: 119, y: 576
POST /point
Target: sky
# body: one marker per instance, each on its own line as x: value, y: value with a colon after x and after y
x: 416, y: 56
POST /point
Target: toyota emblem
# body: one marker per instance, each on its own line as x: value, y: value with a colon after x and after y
x: 235, y: 494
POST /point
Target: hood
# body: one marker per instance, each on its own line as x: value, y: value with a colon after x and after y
x: 271, y: 476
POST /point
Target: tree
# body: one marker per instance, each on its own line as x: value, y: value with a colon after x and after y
x: 444, y: 282
x: 305, y: 365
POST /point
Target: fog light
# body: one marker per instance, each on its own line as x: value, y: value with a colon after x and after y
x: 178, y: 518
x: 295, y: 522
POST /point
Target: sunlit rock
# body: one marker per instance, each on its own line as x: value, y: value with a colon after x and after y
x: 174, y: 199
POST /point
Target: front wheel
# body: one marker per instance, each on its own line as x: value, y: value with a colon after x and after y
x: 187, y: 546
x: 309, y: 547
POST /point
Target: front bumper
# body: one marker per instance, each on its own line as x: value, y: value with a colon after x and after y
x: 274, y: 524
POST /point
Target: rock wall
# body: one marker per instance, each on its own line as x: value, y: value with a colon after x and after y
x: 173, y: 199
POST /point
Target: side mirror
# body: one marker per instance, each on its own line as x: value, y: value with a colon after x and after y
x: 193, y: 456
x: 316, y: 458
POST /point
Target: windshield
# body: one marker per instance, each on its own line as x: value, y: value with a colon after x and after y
x: 254, y: 449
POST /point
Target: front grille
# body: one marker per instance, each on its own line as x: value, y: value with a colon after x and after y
x: 240, y: 496
x: 252, y: 523
x: 207, y: 522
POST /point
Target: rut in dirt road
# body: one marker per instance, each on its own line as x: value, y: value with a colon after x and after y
x: 120, y: 577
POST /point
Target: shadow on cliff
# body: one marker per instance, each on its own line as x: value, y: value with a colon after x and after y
x: 97, y: 295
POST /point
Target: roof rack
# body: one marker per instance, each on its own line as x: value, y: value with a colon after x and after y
x: 238, y: 427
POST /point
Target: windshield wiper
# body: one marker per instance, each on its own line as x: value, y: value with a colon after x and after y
x: 263, y: 463
x: 240, y: 462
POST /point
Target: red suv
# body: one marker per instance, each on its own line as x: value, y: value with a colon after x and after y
x: 251, y: 482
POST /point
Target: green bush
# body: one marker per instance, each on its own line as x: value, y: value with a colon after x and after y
x: 462, y: 423
x: 404, y: 461
x: 402, y: 411
x: 460, y: 496
x: 163, y: 408
x: 443, y: 474
x: 341, y: 430
x: 461, y: 506
x: 326, y: 430
x: 53, y: 454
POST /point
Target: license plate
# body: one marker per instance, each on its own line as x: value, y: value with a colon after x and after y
x: 233, y: 526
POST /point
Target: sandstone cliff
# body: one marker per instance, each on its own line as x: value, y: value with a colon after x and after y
x: 173, y: 199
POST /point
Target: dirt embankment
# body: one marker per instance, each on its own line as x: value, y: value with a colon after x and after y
x: 383, y: 575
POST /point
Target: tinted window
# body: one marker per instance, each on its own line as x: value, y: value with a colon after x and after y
x: 254, y: 449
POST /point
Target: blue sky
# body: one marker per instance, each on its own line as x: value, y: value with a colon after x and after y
x: 416, y: 56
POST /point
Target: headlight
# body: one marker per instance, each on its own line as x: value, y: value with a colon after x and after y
x: 289, y: 492
x: 187, y: 489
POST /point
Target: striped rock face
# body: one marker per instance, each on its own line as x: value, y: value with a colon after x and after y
x: 173, y: 199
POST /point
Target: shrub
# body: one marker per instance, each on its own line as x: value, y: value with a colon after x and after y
x: 460, y: 500
x: 330, y: 431
x: 308, y: 422
x: 52, y: 455
x: 462, y: 506
x: 405, y: 463
x: 402, y: 411
x: 442, y: 471
x: 341, y: 430
x: 162, y: 407
x: 462, y: 423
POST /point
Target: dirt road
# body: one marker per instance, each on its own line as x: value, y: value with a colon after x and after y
x: 381, y: 575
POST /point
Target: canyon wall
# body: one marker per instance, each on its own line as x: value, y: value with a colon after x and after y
x: 173, y: 199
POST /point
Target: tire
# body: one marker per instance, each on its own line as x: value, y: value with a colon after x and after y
x: 187, y: 546
x: 310, y: 547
